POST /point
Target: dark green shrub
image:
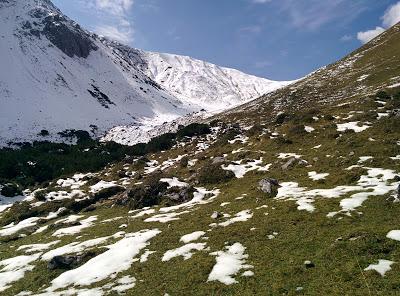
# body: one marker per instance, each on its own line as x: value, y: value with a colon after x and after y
x: 40, y: 195
x: 161, y: 143
x: 107, y: 192
x: 280, y: 140
x: 256, y: 129
x: 297, y: 130
x: 10, y: 190
x: 383, y: 95
x: 194, y: 129
x: 281, y: 118
x: 184, y: 162
x: 147, y: 195
x: 214, y: 174
x: 44, y: 133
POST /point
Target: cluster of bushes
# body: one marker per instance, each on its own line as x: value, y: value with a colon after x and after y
x: 44, y: 161
x: 214, y: 174
x: 297, y: 118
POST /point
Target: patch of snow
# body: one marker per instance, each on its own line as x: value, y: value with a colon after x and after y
x: 341, y: 127
x: 37, y: 247
x: 242, y: 169
x: 174, y: 182
x: 381, y: 267
x: 242, y: 216
x: 315, y: 176
x: 86, y: 223
x: 394, y: 234
x: 185, y: 251
x: 192, y: 236
x: 228, y: 264
x: 13, y: 269
x: 118, y: 258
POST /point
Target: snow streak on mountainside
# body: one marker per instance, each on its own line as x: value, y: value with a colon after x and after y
x: 57, y: 76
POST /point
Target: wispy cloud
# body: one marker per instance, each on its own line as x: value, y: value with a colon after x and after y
x: 389, y: 19
x: 116, y: 23
x: 313, y: 14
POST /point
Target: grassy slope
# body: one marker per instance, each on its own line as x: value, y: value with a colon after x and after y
x: 278, y: 263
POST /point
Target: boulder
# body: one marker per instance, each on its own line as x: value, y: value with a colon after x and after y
x: 64, y: 262
x: 218, y: 159
x: 269, y: 186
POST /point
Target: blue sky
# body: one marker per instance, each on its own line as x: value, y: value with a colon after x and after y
x: 276, y: 39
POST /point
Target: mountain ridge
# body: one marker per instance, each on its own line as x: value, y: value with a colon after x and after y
x: 70, y: 78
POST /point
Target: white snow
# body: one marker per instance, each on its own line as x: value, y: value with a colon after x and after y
x: 228, y: 264
x: 118, y: 258
x: 394, y: 234
x: 315, y: 176
x: 101, y: 185
x: 14, y: 228
x: 381, y: 267
x: 192, y: 236
x: 75, y: 229
x: 77, y: 247
x: 240, y: 169
x: 288, y: 155
x: 375, y: 183
x: 242, y: 216
x: 37, y: 247
x: 174, y: 182
x: 341, y: 127
x: 309, y: 129
x: 185, y: 251
x: 13, y: 269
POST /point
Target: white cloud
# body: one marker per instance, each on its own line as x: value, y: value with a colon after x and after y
x: 313, y: 14
x: 392, y: 15
x: 346, y: 38
x: 115, y: 33
x: 116, y: 7
x: 114, y: 21
x: 261, y: 1
x: 389, y: 19
x: 367, y: 36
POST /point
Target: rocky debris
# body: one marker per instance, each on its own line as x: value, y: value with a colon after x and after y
x: 269, y: 186
x: 293, y: 162
x: 145, y: 195
x: 216, y: 215
x: 180, y: 194
x: 103, y: 99
x: 69, y: 261
x: 218, y: 159
x: 72, y: 41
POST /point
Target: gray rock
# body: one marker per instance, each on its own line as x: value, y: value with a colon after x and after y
x: 269, y: 186
x: 291, y: 162
x: 216, y: 215
x: 218, y: 159
x: 64, y: 262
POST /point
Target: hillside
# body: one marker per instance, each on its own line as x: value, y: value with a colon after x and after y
x: 199, y: 211
x: 56, y: 76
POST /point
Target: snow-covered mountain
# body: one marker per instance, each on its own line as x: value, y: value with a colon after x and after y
x: 55, y: 76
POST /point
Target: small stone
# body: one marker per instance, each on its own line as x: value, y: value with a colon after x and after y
x: 269, y: 186
x: 216, y: 215
x: 309, y: 264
